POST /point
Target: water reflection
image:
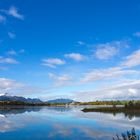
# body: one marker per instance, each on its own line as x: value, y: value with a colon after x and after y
x: 127, y: 114
x: 40, y: 123
x: 18, y: 110
x: 130, y: 115
x: 60, y: 109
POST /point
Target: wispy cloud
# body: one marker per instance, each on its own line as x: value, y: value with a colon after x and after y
x: 13, y: 11
x: 132, y: 60
x: 17, y: 88
x: 103, y: 74
x: 108, y: 50
x: 136, y: 34
x: 60, y: 80
x: 11, y: 35
x: 8, y: 60
x: 124, y: 90
x: 14, y: 53
x: 53, y: 62
x: 8, y: 84
x: 81, y: 43
x: 75, y: 56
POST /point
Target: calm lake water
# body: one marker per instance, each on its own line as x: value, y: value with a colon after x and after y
x: 61, y: 123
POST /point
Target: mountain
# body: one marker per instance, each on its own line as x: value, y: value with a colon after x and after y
x: 65, y: 101
x: 19, y: 99
x: 9, y: 98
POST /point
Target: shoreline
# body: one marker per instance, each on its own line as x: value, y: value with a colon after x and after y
x: 111, y: 110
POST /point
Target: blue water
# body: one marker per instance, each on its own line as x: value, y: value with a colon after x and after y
x: 60, y: 123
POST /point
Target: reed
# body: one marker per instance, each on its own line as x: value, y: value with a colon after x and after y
x: 130, y: 135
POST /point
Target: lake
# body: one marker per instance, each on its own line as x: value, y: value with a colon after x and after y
x: 63, y: 123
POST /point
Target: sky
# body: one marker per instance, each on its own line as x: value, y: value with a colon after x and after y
x: 84, y: 50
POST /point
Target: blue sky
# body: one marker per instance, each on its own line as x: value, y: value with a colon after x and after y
x: 79, y: 49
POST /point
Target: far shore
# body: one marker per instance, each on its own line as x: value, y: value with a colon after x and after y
x: 89, y: 106
x: 111, y: 110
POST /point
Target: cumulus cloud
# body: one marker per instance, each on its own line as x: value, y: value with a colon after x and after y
x: 52, y: 62
x: 132, y: 60
x: 13, y: 11
x: 102, y: 74
x: 108, y: 50
x: 75, y: 56
x: 8, y: 60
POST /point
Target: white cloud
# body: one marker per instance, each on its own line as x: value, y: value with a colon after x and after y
x: 8, y: 84
x: 2, y: 19
x: 128, y: 89
x: 132, y: 60
x: 110, y: 49
x: 60, y: 80
x: 106, y: 52
x: 11, y: 35
x: 103, y: 74
x: 8, y: 60
x: 75, y: 56
x: 53, y: 62
x: 14, y: 12
x: 16, y: 88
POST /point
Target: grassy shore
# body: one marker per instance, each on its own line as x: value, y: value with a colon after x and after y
x: 131, y: 106
x: 19, y: 103
x: 111, y: 109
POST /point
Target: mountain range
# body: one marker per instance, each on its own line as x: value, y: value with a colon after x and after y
x: 7, y: 97
x: 19, y: 99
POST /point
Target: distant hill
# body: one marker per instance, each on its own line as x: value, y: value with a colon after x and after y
x: 65, y: 101
x: 19, y: 99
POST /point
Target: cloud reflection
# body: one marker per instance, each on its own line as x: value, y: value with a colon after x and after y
x: 63, y: 123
